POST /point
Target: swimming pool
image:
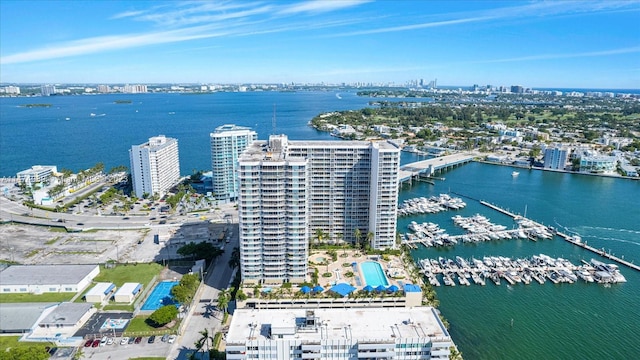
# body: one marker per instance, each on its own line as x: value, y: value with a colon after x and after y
x: 373, y: 274
x: 160, y: 296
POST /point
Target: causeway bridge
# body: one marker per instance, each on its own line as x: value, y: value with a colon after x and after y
x: 432, y: 166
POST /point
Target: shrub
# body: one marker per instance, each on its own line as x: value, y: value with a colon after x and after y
x: 164, y: 315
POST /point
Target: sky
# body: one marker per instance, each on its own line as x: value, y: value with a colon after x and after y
x: 562, y: 44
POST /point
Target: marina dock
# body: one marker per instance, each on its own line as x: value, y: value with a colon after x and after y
x: 571, y: 239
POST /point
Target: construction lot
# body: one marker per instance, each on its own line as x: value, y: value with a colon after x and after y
x: 28, y: 244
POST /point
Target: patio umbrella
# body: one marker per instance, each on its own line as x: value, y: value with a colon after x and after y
x: 381, y: 288
x: 318, y: 288
x: 305, y: 289
x: 368, y: 288
x: 393, y: 288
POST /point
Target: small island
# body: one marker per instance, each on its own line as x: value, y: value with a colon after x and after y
x: 122, y: 102
x: 35, y: 105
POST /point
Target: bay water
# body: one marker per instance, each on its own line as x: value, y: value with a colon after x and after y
x: 564, y: 321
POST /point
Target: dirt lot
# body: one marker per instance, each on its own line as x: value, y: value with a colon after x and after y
x: 27, y: 244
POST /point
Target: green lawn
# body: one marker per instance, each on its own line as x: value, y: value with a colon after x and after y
x: 28, y: 297
x: 138, y: 325
x: 138, y: 273
x: 12, y: 342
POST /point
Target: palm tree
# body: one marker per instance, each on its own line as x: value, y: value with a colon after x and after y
x: 357, y: 234
x: 234, y: 261
x: 320, y: 235
x: 370, y: 237
x: 223, y: 300
x: 204, y: 340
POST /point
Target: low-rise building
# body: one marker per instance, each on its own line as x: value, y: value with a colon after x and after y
x: 99, y: 293
x: 363, y: 333
x: 127, y: 292
x: 37, y: 173
x: 38, y: 279
x: 598, y: 164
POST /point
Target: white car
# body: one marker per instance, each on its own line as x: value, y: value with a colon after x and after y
x: 110, y: 341
x: 124, y: 340
x: 172, y: 338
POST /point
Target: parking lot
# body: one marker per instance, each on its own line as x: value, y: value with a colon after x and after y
x: 91, y: 329
x: 116, y: 351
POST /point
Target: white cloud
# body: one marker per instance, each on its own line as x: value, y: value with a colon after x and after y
x: 629, y: 50
x: 105, y: 43
x: 317, y: 6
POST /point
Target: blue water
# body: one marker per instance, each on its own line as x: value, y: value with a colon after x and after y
x: 373, y: 274
x: 160, y: 296
x: 578, y: 321
x: 31, y: 136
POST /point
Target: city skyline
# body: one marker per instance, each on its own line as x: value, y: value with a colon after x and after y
x: 583, y: 44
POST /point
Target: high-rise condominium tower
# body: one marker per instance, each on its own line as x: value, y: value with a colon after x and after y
x: 155, y: 166
x: 227, y: 143
x: 293, y: 192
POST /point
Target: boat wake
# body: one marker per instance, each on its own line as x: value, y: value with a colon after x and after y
x: 612, y: 229
x: 611, y: 239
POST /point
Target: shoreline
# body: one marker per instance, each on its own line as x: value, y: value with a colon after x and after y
x: 614, y: 176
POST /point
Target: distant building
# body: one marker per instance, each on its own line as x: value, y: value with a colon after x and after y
x: 155, y: 166
x: 104, y: 89
x: 13, y: 90
x: 598, y: 164
x: 363, y: 333
x: 517, y: 89
x: 556, y: 158
x: 134, y: 89
x: 36, y: 174
x: 227, y: 143
x: 47, y: 90
x: 291, y: 190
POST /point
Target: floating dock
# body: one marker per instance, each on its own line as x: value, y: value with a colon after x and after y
x: 568, y: 238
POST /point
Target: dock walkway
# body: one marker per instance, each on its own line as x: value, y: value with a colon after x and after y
x: 568, y: 238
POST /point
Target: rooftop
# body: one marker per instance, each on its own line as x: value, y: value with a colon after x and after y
x: 44, y: 274
x: 66, y: 314
x: 360, y: 324
x: 19, y: 317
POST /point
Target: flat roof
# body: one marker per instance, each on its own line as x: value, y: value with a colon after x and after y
x: 128, y: 288
x: 101, y: 288
x: 359, y: 323
x: 67, y: 314
x: 19, y: 317
x: 44, y: 274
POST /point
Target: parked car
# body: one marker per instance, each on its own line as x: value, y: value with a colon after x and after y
x: 95, y: 343
x: 103, y: 342
x: 138, y: 340
x: 88, y: 343
x: 110, y: 341
x: 165, y: 337
x: 152, y: 338
x: 124, y: 340
x: 132, y: 339
x: 172, y: 339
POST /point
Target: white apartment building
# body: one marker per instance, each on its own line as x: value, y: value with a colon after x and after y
x: 289, y: 191
x: 47, y: 90
x: 556, y: 158
x: 155, y: 166
x: 363, y: 333
x: 134, y: 89
x: 37, y: 173
x: 227, y: 143
x: 598, y: 164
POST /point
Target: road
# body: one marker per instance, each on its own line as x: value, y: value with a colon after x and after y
x: 201, y: 315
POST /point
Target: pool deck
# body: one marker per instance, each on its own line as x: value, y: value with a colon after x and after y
x: 338, y: 271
